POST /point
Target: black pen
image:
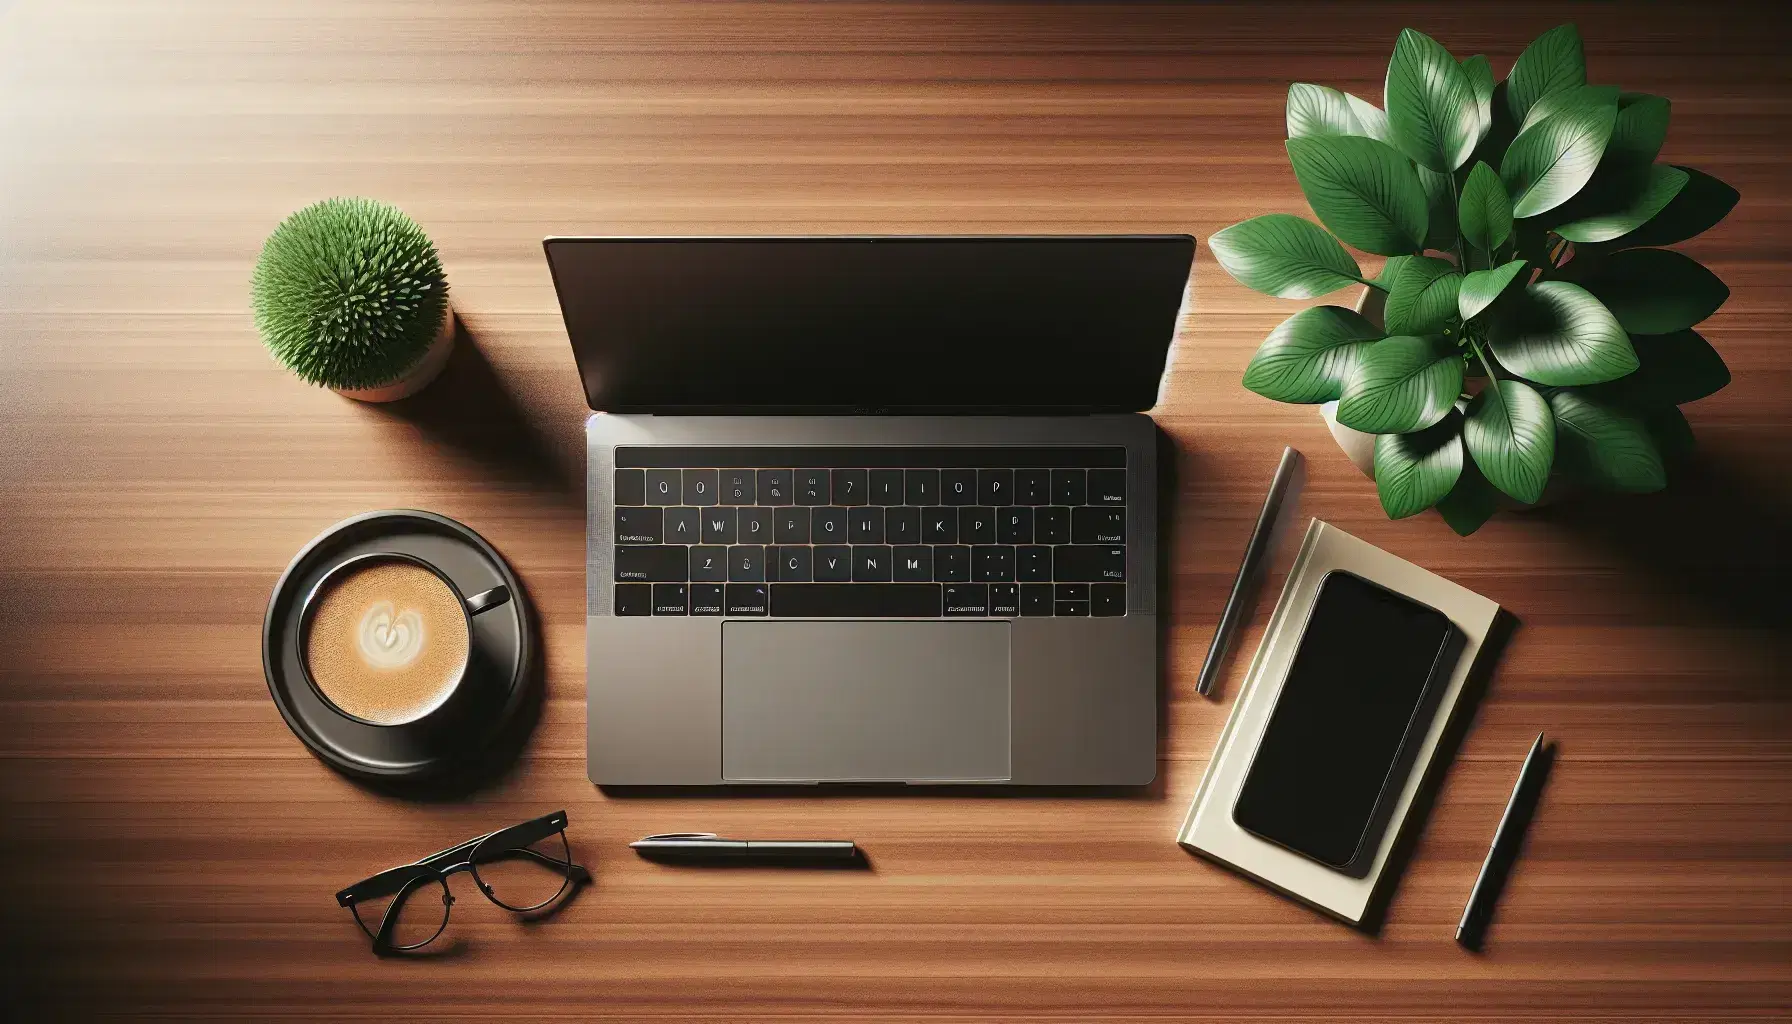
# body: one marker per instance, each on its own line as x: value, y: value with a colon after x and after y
x: 699, y: 846
x: 1506, y: 841
x: 1256, y: 554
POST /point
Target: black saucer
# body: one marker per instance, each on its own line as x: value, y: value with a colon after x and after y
x: 499, y: 664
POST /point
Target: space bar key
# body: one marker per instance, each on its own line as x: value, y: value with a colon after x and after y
x: 856, y: 600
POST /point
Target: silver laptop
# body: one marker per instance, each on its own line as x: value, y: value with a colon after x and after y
x: 871, y: 509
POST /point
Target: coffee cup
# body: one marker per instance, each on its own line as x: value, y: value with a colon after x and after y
x: 386, y: 638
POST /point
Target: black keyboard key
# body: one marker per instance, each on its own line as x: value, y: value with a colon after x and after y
x: 958, y: 487
x: 902, y: 525
x: 643, y: 564
x: 832, y: 563
x: 1108, y: 599
x: 865, y: 525
x: 856, y: 600
x: 952, y: 563
x: 995, y: 487
x: 638, y: 525
x: 683, y: 526
x: 791, y: 526
x: 671, y: 599
x: 1069, y: 486
x: 776, y: 487
x: 634, y: 599
x: 921, y: 487
x: 913, y: 564
x: 939, y: 525
x: 746, y: 599
x: 871, y: 563
x: 1092, y: 524
x: 1004, y: 599
x: 1076, y: 608
x: 812, y: 487
x: 967, y: 599
x: 1035, y: 598
x: 718, y: 525
x: 828, y: 525
x: 977, y: 525
x: 631, y: 487
x: 709, y: 564
x: 1014, y: 525
x: 755, y: 525
x: 739, y: 487
x: 1033, y: 564
x: 1032, y: 487
x: 790, y: 563
x: 993, y: 563
x: 701, y: 486
x: 706, y: 599
x: 1051, y: 525
x: 664, y: 487
x: 746, y: 563
x: 850, y: 487
x: 1088, y: 563
x: 886, y: 487
x: 1107, y: 487
x: 1071, y: 591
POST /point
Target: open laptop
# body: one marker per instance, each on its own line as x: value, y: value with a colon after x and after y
x: 871, y: 509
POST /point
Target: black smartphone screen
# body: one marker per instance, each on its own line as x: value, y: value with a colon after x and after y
x: 1339, y: 741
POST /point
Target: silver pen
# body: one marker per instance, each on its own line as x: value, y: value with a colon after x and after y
x: 699, y: 846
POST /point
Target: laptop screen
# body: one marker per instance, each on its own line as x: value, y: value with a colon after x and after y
x: 871, y: 324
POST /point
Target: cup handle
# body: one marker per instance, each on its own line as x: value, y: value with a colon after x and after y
x: 488, y: 599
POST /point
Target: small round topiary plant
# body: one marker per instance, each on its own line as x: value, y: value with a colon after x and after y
x: 349, y: 293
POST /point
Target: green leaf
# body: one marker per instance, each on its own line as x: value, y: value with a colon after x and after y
x: 1604, y: 444
x: 1550, y: 64
x: 1676, y: 368
x: 1481, y: 287
x: 1423, y: 297
x: 1480, y: 83
x: 1364, y: 192
x: 1471, y: 502
x: 1555, y: 332
x: 1652, y: 291
x: 1512, y: 438
x: 1401, y: 384
x: 1670, y: 432
x: 1432, y: 112
x: 1637, y: 135
x: 1307, y: 357
x: 1551, y: 160
x: 1627, y: 214
x: 1486, y: 209
x: 1440, y: 208
x: 1697, y: 209
x: 1319, y: 110
x: 1391, y: 270
x: 1373, y: 121
x: 1286, y: 256
x: 1414, y: 471
x: 1556, y: 102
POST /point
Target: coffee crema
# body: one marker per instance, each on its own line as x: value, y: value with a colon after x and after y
x: 387, y: 642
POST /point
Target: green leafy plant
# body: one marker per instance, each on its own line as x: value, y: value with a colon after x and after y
x: 1533, y: 326
x: 348, y: 293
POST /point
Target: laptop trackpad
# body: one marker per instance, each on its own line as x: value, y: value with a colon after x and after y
x: 865, y: 701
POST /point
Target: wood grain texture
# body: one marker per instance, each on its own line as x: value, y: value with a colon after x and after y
x: 169, y: 849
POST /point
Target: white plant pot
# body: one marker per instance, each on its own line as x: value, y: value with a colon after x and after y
x: 1358, y: 447
x: 427, y: 367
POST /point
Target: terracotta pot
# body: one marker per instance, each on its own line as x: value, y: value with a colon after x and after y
x: 415, y: 379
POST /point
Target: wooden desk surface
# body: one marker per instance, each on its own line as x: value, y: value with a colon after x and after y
x: 168, y: 848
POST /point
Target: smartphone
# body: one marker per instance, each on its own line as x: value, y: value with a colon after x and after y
x: 1359, y: 695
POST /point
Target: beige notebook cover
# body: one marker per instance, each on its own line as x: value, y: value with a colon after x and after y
x: 1209, y: 829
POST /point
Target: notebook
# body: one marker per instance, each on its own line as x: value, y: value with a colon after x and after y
x: 1209, y: 830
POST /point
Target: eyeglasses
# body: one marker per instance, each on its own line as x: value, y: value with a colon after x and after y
x: 524, y: 869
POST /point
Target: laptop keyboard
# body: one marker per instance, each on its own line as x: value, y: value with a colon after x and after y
x: 873, y: 532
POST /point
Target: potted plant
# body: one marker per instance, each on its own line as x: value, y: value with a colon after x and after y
x: 349, y: 293
x: 1527, y: 326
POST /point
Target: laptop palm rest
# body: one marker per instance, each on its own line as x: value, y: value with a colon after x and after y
x: 854, y: 701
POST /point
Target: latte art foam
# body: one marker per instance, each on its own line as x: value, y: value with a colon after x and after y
x: 387, y: 642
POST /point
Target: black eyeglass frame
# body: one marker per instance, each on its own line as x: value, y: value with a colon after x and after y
x: 402, y: 882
